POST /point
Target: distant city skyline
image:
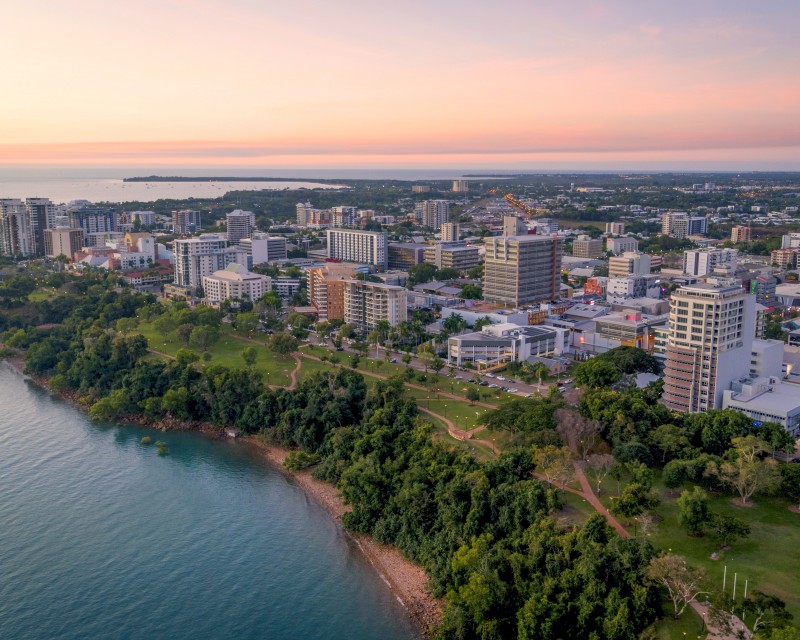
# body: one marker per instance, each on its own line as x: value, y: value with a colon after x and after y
x: 584, y: 85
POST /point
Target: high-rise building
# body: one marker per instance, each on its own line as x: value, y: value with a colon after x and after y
x: 41, y: 216
x: 615, y: 228
x: 302, y: 210
x: 587, y: 247
x: 345, y: 216
x: 460, y: 186
x: 202, y: 256
x: 15, y: 236
x: 702, y: 262
x: 185, y: 221
x: 740, y: 234
x: 784, y: 258
x: 709, y: 344
x: 432, y: 213
x: 450, y: 232
x: 142, y: 218
x: 326, y: 289
x: 240, y: 225
x: 62, y: 242
x: 262, y: 248
x: 352, y: 245
x: 93, y: 220
x: 628, y: 262
x: 680, y: 225
x: 367, y: 303
x: 514, y: 226
x: 420, y: 188
x: 522, y: 269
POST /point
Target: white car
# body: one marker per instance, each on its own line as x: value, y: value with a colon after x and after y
x: 500, y: 378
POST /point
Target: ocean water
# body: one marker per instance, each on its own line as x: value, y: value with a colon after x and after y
x: 102, y: 538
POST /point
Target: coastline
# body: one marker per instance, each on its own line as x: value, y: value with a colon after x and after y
x: 408, y: 581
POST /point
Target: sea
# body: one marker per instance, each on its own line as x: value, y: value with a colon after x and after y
x: 100, y: 537
x: 64, y: 184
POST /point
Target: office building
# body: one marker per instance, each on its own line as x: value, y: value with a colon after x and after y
x: 326, y: 289
x: 765, y: 399
x: 621, y: 288
x: 702, y: 262
x: 740, y: 234
x: 62, y: 242
x: 404, y: 255
x: 203, y: 256
x: 587, y: 247
x: 240, y: 225
x: 452, y: 255
x: 698, y: 226
x: 522, y: 269
x: 514, y: 226
x: 185, y: 221
x: 432, y: 213
x: 262, y: 248
x: 364, y: 247
x: 93, y: 220
x: 615, y: 228
x: 709, y: 344
x: 628, y: 262
x: 617, y: 246
x: 496, y: 344
x: 450, y: 232
x: 367, y: 303
x: 234, y: 282
x: 286, y: 286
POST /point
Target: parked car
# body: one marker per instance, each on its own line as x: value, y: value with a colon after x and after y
x: 393, y: 360
x: 500, y: 378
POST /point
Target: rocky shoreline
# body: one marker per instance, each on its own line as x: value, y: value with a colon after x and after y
x: 407, y: 581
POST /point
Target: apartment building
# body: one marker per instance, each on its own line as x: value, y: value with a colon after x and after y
x: 450, y: 232
x: 363, y: 247
x: 62, y: 242
x: 326, y: 289
x: 452, y: 255
x: 432, y: 213
x: 262, y: 248
x: 616, y: 246
x: 202, y: 256
x: 185, y: 221
x: 587, y: 247
x: 740, y: 234
x: 367, y: 303
x: 241, y: 225
x: 702, y: 262
x: 709, y: 344
x: 615, y: 228
x: 627, y: 263
x: 234, y: 282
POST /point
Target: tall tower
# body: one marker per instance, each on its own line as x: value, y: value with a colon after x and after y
x: 522, y: 269
x: 240, y: 225
x: 709, y: 344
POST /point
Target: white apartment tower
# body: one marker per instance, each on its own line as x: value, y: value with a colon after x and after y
x: 702, y: 262
x: 364, y: 247
x: 240, y: 225
x: 202, y: 256
x: 709, y: 344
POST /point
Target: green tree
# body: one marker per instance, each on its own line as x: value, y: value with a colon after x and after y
x: 768, y: 612
x: 746, y: 473
x: 554, y: 463
x: 203, y: 337
x: 682, y: 583
x: 282, y: 343
x: 249, y: 355
x: 471, y: 292
x: 184, y: 332
x: 596, y: 373
x: 185, y: 357
x: 126, y: 325
x: 726, y: 529
x: 164, y: 324
x: 473, y: 395
x: 634, y: 500
x: 693, y: 510
x: 421, y: 273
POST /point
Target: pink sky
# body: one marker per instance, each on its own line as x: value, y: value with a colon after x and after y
x: 356, y: 83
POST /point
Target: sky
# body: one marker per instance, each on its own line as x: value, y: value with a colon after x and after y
x: 510, y: 84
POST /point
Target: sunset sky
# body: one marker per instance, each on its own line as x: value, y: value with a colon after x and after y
x: 313, y: 83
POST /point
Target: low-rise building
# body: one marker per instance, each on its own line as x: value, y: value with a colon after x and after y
x: 621, y: 245
x: 765, y: 400
x: 452, y: 255
x: 587, y: 247
x: 500, y: 343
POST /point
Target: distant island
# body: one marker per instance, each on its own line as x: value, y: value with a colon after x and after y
x: 222, y: 179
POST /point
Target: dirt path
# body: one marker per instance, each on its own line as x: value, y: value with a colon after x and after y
x: 293, y: 374
x: 588, y: 494
x: 161, y: 353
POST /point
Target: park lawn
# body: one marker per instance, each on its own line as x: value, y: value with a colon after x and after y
x: 464, y: 415
x: 688, y: 627
x: 227, y: 351
x: 480, y: 452
x: 575, y: 510
x: 41, y: 294
x: 768, y: 558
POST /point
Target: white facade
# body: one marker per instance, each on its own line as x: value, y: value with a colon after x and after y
x: 240, y: 225
x: 234, y: 282
x: 702, y: 262
x: 765, y: 399
x: 450, y: 232
x: 263, y: 248
x: 364, y: 247
x: 202, y: 256
x: 629, y: 262
x: 622, y: 288
x: 507, y: 342
x: 621, y: 245
x: 432, y: 213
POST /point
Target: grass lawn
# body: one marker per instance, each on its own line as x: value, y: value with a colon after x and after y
x: 576, y: 511
x: 227, y: 351
x: 688, y: 627
x: 41, y: 294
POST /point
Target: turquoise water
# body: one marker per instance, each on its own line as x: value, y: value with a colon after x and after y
x: 102, y: 538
